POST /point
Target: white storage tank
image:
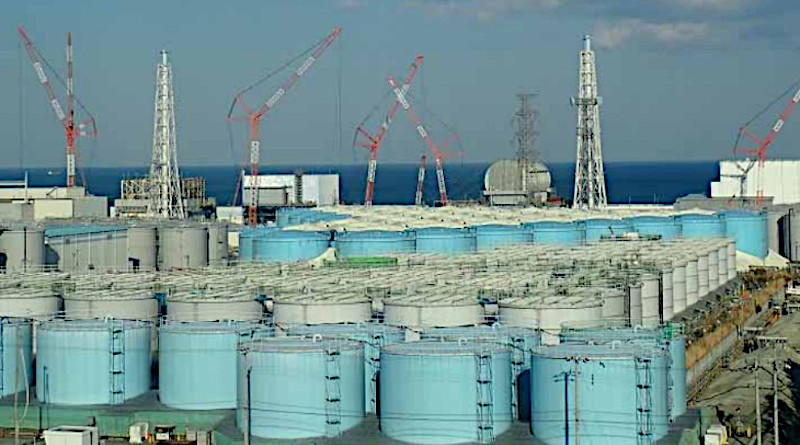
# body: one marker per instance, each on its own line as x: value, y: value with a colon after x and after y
x: 120, y: 304
x: 22, y: 248
x: 182, y: 247
x: 722, y: 254
x: 320, y: 308
x: 679, y: 285
x: 702, y: 274
x: 547, y: 312
x: 651, y: 290
x: 199, y: 306
x: 713, y: 268
x: 40, y: 304
x: 692, y: 280
x: 731, y: 259
x: 427, y: 311
x: 142, y: 248
x: 217, y: 244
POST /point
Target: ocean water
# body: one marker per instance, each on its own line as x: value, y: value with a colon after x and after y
x: 636, y: 183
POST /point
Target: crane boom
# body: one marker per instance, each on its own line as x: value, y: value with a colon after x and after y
x: 423, y: 134
x: 375, y: 141
x: 67, y: 119
x: 254, y: 117
x: 763, y: 144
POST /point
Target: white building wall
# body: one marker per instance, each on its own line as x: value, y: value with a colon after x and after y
x: 781, y: 179
x: 322, y: 190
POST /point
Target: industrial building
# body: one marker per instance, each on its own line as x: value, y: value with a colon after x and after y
x: 292, y: 190
x: 739, y: 178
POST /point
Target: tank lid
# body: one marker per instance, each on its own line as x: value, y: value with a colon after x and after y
x: 444, y: 348
x: 210, y: 327
x: 90, y: 325
x: 606, y: 351
x: 299, y: 344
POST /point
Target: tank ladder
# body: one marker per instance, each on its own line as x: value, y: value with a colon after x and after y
x: 670, y: 383
x: 333, y: 392
x: 375, y: 366
x: 116, y: 349
x: 485, y: 393
x: 517, y: 367
x: 644, y: 398
x: 2, y: 356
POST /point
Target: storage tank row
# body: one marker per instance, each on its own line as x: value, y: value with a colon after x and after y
x: 454, y: 386
x: 293, y: 216
x: 749, y: 230
x: 137, y: 247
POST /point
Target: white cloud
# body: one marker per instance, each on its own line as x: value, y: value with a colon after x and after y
x: 484, y: 10
x: 719, y: 5
x: 617, y: 34
x: 351, y: 5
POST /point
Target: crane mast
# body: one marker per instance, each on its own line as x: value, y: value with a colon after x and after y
x: 254, y: 117
x: 374, y: 142
x: 420, y: 181
x: 423, y: 134
x: 67, y: 119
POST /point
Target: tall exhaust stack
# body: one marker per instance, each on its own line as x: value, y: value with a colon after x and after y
x: 590, y: 182
x: 166, y: 199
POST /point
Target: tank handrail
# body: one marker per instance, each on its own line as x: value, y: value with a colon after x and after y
x: 316, y: 338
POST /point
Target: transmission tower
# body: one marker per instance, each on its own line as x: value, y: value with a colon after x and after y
x: 590, y: 182
x: 525, y: 125
x: 166, y: 199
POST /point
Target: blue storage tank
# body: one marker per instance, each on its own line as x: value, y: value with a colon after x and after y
x: 669, y: 337
x: 444, y: 240
x: 445, y: 392
x: 749, y: 230
x: 664, y: 226
x: 521, y: 341
x: 372, y: 243
x: 16, y: 353
x: 596, y: 229
x: 290, y: 246
x: 702, y: 226
x: 374, y: 336
x: 246, y: 239
x: 621, y: 390
x: 557, y: 232
x: 492, y: 236
x: 92, y: 362
x: 301, y: 388
x: 197, y: 363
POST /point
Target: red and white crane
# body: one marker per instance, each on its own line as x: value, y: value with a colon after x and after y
x: 761, y: 145
x: 71, y: 130
x: 425, y: 136
x: 254, y: 116
x: 373, y: 143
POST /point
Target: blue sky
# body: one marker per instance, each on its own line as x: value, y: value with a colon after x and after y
x: 677, y: 76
